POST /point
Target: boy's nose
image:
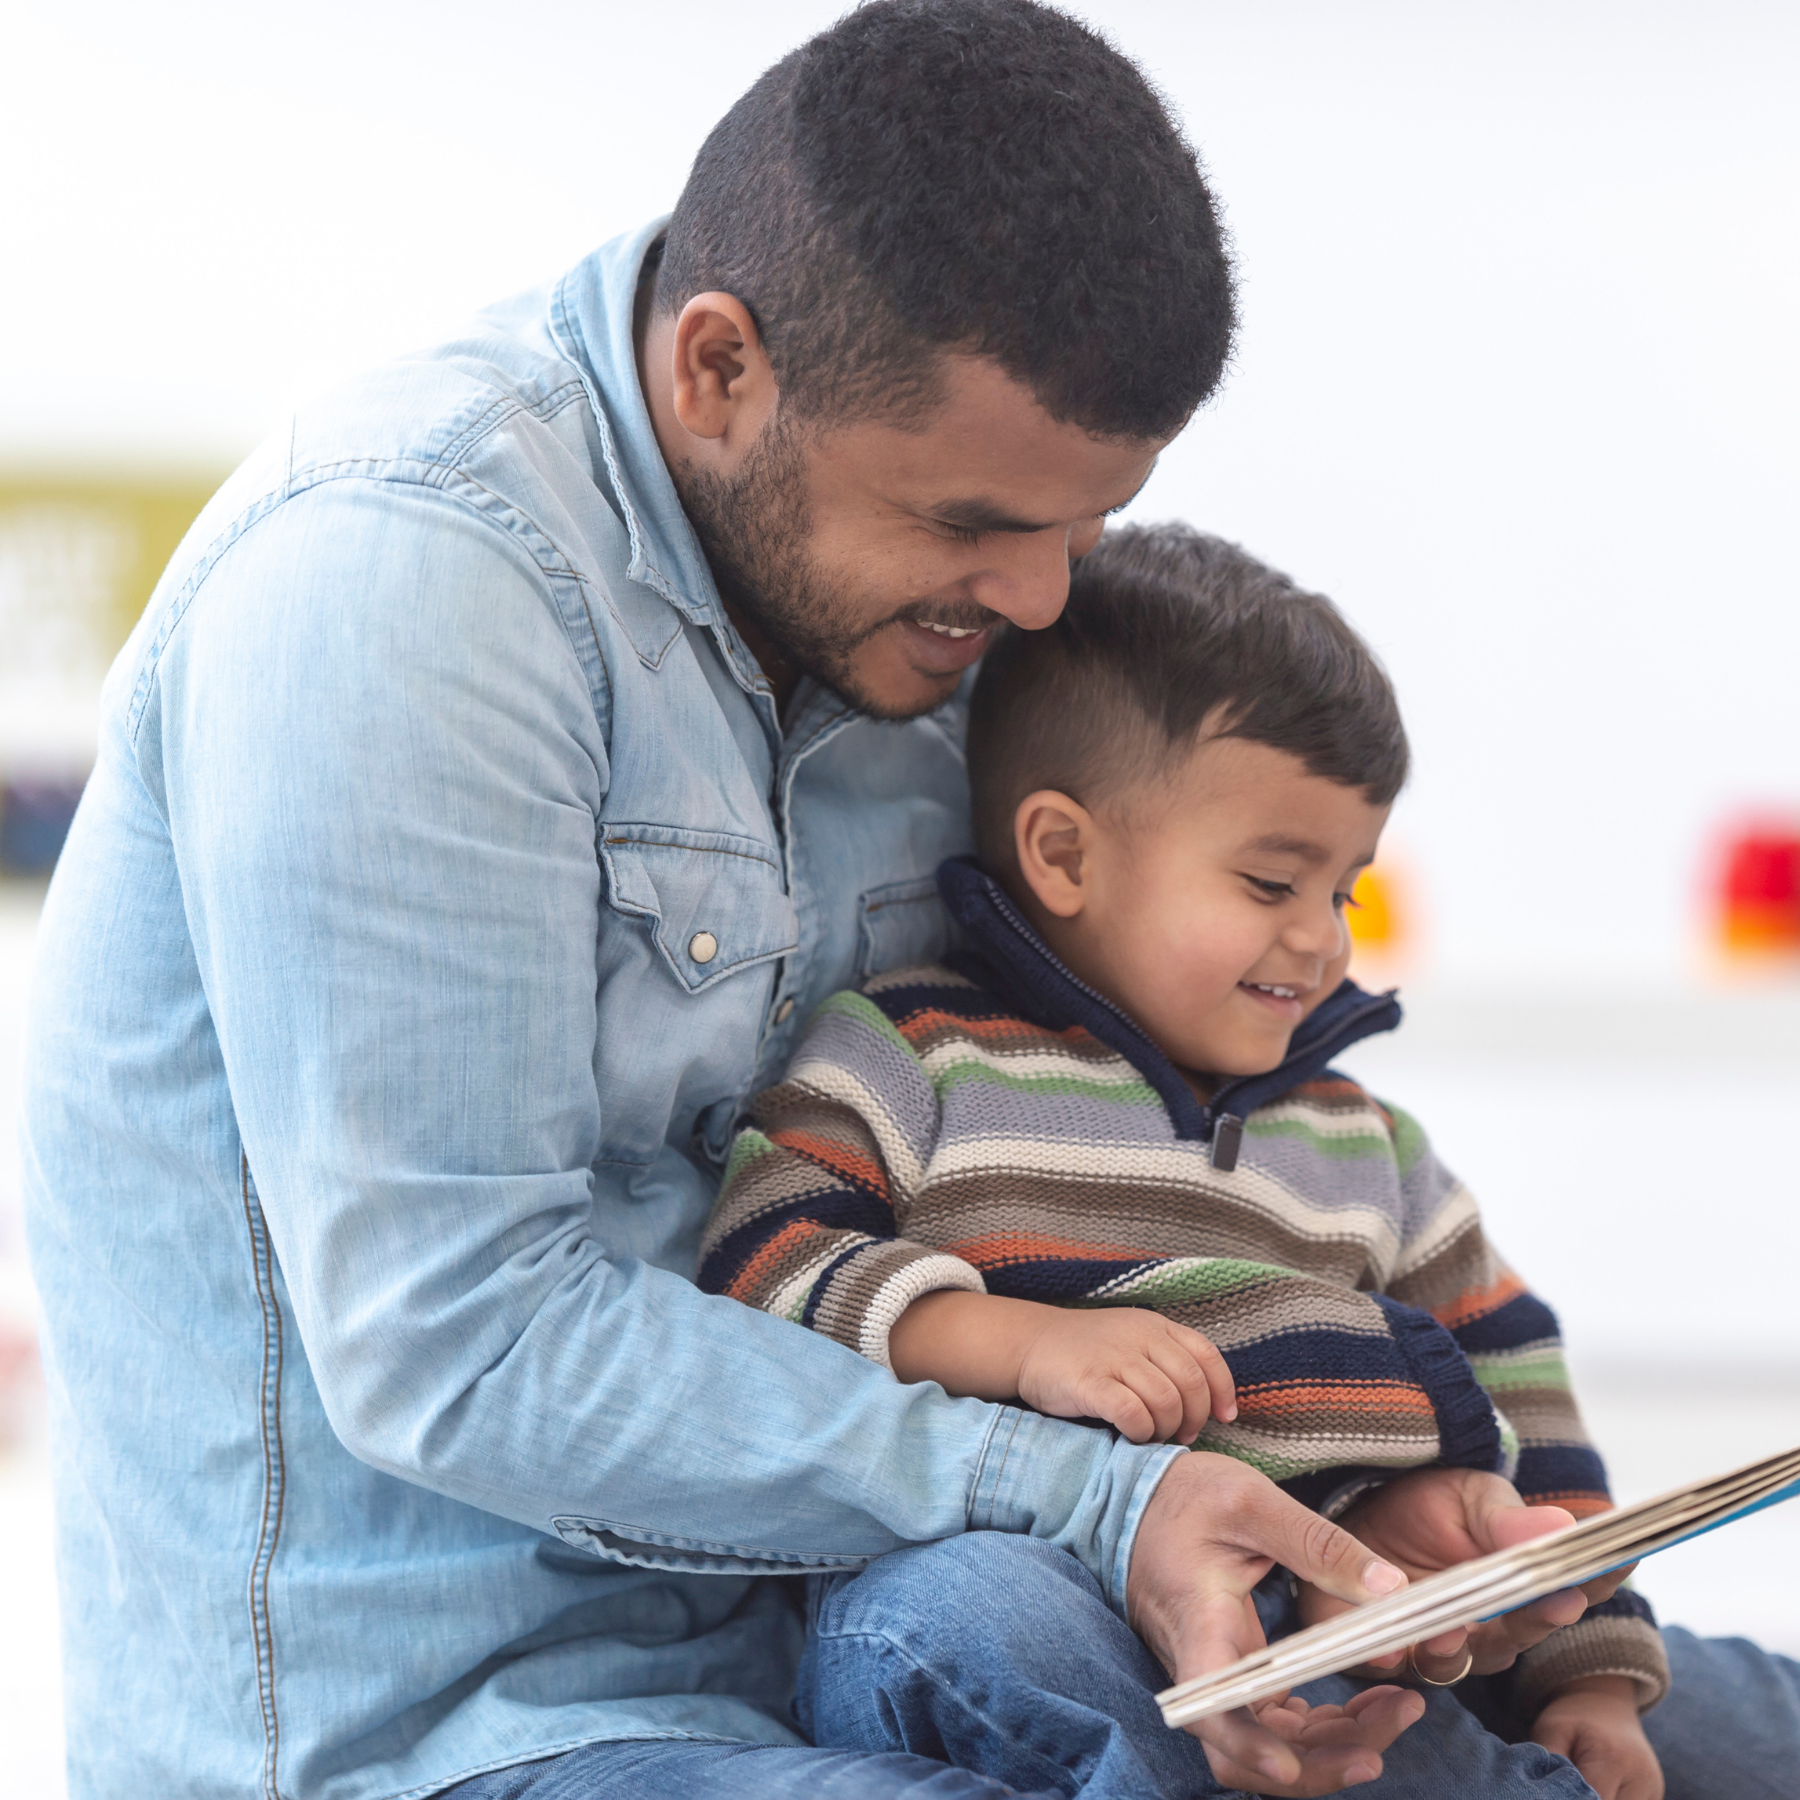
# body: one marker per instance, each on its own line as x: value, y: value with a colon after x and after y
x: 1323, y: 936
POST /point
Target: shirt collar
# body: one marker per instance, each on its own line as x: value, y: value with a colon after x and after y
x: 591, y: 314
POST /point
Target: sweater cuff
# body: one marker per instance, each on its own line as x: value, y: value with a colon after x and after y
x: 1610, y: 1641
x: 868, y: 1292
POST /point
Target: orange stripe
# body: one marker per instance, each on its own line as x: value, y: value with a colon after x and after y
x: 934, y: 1018
x: 996, y: 1250
x: 771, y: 1254
x: 838, y: 1158
x: 1477, y: 1303
x: 1395, y: 1396
x: 1583, y: 1503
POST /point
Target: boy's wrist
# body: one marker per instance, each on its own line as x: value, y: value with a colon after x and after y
x: 970, y: 1344
x: 1619, y: 1689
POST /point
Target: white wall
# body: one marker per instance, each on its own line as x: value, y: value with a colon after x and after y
x: 1517, y: 384
x: 1516, y: 380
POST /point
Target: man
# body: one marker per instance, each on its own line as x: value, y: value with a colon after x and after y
x: 514, y: 753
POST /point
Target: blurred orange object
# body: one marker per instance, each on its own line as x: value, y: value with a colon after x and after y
x: 1377, y: 923
x: 1758, y: 891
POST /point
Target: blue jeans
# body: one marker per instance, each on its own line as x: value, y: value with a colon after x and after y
x: 990, y: 1664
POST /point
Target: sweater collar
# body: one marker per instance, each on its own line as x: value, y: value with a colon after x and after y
x: 1005, y: 955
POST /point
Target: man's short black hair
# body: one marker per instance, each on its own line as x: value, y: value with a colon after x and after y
x: 980, y: 175
x: 1167, y: 631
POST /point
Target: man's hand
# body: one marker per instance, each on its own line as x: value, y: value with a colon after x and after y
x: 1212, y: 1530
x: 1594, y: 1723
x: 1143, y: 1374
x: 1432, y: 1519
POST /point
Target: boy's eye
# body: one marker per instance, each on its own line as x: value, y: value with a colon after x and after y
x: 958, y: 534
x: 1275, y: 890
x: 1342, y: 900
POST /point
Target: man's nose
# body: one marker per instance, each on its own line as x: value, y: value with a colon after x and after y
x: 1027, y: 581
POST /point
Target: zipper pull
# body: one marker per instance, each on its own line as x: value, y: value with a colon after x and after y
x: 1227, y: 1140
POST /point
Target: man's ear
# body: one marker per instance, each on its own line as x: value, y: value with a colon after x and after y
x: 724, y: 388
x: 1053, y: 838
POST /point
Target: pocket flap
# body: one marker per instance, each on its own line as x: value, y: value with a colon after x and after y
x: 714, y: 900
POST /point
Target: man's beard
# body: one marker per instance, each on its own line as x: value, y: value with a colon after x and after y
x: 754, y: 530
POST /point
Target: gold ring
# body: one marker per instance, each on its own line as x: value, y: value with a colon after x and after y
x: 1420, y: 1675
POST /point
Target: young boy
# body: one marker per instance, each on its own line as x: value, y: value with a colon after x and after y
x: 1098, y: 1161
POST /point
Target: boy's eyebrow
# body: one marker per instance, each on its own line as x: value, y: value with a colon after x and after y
x: 1276, y: 843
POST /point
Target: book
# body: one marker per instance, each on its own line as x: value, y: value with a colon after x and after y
x: 1486, y: 1587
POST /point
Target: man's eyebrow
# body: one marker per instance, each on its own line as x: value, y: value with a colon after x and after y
x: 984, y: 515
x: 1276, y: 843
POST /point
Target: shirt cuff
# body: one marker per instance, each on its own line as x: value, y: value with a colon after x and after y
x: 1082, y: 1487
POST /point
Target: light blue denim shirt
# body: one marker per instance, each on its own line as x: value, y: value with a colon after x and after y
x: 446, y: 881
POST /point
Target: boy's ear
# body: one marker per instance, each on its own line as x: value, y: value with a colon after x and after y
x: 1053, y: 838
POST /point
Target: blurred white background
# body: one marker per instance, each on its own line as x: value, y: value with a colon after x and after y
x: 1516, y: 384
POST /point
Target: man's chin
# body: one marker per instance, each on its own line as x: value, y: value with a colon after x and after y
x: 905, y: 670
x: 895, y: 696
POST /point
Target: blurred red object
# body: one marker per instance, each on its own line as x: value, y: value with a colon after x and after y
x: 1758, y: 890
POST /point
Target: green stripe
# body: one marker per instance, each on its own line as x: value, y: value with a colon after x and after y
x: 748, y: 1147
x: 1507, y: 1374
x: 1277, y: 1468
x: 1120, y: 1093
x: 1206, y: 1280
x: 1409, y: 1140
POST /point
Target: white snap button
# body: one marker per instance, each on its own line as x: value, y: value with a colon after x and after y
x: 703, y: 946
x: 784, y: 1012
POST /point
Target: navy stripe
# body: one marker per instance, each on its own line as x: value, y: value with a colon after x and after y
x: 823, y: 1284
x: 1560, y: 1469
x: 1522, y: 1320
x: 1059, y: 1278
x: 1468, y: 1432
x: 1319, y: 1353
x: 842, y: 1209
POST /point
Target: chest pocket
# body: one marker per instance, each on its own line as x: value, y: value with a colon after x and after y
x: 713, y: 900
x: 903, y: 925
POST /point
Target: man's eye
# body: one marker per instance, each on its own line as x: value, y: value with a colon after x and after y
x: 959, y: 534
x: 1275, y: 890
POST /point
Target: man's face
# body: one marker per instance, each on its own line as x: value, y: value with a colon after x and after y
x: 880, y: 559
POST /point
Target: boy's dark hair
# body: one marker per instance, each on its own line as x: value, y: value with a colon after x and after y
x: 1168, y: 630
x: 980, y: 175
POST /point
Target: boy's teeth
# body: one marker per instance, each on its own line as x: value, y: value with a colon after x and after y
x: 1280, y: 993
x: 951, y: 631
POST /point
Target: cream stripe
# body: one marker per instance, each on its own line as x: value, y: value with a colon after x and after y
x: 793, y: 1291
x: 1114, y: 1071
x: 832, y: 1081
x: 1176, y: 1165
x: 1363, y: 1122
x: 925, y: 1275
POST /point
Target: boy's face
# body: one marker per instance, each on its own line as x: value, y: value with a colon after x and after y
x: 1208, y: 904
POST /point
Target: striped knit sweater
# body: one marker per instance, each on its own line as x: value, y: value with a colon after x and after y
x: 996, y: 1125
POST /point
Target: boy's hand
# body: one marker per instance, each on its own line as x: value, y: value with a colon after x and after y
x: 1594, y: 1723
x: 1433, y: 1519
x: 1135, y: 1369
x: 1140, y: 1372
